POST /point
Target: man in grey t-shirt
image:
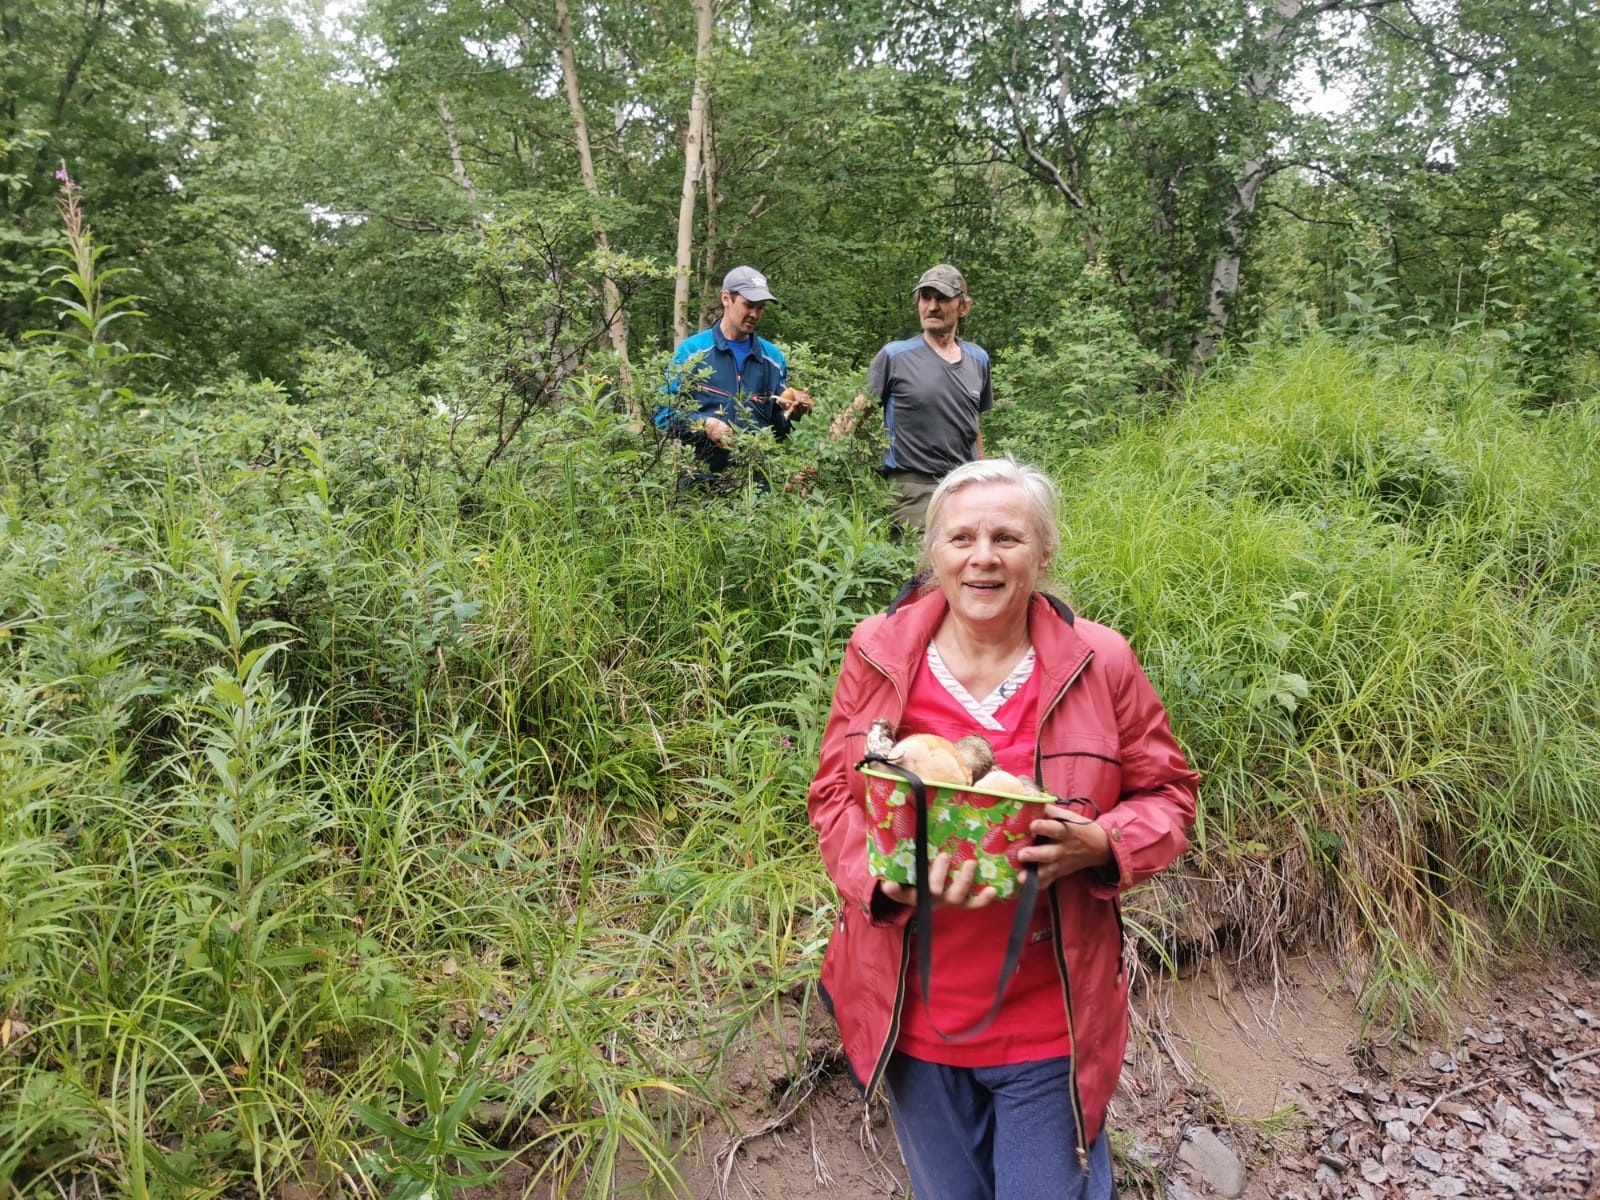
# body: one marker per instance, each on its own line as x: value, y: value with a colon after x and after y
x: 932, y: 388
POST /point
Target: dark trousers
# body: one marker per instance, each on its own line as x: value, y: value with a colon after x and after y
x: 993, y: 1133
x: 909, y: 503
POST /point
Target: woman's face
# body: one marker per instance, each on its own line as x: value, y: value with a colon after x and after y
x: 987, y: 556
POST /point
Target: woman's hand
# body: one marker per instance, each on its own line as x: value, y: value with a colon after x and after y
x: 945, y: 887
x: 1071, y: 842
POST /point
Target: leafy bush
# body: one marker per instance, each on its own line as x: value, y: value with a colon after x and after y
x: 1069, y: 382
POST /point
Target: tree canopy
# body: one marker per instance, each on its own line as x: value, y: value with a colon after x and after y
x: 284, y: 178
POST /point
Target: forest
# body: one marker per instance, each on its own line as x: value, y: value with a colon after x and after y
x: 401, y: 776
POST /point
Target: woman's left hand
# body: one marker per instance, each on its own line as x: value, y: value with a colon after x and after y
x: 1069, y: 842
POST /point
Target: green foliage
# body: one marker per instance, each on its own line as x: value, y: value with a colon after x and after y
x: 1069, y: 382
x: 1363, y: 567
x: 396, y: 763
x: 438, y: 1152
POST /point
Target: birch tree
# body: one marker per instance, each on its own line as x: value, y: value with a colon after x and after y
x: 615, y: 318
x: 693, y: 145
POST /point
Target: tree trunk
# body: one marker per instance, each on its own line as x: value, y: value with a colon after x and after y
x: 1225, y: 271
x: 459, y: 165
x: 692, y: 145
x: 1260, y: 85
x: 713, y: 233
x: 615, y: 319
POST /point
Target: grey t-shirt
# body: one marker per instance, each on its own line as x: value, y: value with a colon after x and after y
x: 930, y: 406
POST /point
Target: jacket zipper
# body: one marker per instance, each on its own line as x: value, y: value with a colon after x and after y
x: 1056, y: 933
x: 905, y: 935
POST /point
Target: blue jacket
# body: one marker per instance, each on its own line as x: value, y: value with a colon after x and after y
x: 704, y: 366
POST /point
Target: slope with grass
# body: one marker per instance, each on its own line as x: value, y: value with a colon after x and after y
x: 363, y: 828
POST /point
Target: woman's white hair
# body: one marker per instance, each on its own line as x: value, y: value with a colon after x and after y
x: 1039, y: 491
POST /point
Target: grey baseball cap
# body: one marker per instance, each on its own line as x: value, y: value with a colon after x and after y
x: 749, y: 283
x: 944, y: 279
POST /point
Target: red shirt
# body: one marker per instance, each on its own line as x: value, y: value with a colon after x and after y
x: 969, y: 947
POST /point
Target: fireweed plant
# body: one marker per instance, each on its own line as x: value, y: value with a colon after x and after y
x: 374, y: 830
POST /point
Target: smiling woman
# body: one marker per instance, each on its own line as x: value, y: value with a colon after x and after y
x: 1015, y: 1104
x: 988, y: 545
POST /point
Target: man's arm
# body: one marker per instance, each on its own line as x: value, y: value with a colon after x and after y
x: 845, y: 423
x: 686, y: 424
x: 877, y: 385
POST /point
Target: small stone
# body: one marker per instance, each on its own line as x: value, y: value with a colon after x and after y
x: 1217, y: 1165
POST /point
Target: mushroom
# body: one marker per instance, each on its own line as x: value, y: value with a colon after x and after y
x: 928, y: 756
x: 1007, y: 784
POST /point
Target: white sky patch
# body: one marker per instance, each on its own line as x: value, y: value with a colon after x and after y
x: 331, y: 218
x: 506, y: 52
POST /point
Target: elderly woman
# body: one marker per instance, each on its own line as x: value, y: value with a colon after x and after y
x: 1018, y: 1110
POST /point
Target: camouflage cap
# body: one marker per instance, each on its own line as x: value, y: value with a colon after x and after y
x: 944, y: 279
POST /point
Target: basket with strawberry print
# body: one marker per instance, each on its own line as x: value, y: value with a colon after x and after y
x: 964, y: 822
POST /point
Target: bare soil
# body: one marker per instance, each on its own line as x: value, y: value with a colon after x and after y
x: 1501, y: 1103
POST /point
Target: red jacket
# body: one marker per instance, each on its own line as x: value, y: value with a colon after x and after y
x: 1103, y: 733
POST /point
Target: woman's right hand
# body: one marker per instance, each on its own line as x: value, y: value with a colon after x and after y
x: 946, y: 887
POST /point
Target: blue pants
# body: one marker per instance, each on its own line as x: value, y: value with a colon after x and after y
x: 993, y: 1133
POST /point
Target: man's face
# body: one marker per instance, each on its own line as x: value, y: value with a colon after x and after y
x: 740, y: 316
x: 940, y: 314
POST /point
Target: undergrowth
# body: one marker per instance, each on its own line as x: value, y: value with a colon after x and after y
x: 366, y: 826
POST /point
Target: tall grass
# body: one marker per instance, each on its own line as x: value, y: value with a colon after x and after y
x: 1370, y: 606
x: 364, y: 830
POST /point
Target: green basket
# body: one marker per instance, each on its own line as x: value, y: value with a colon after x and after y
x: 989, y: 827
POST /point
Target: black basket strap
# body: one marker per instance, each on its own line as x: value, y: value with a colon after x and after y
x: 1026, y: 899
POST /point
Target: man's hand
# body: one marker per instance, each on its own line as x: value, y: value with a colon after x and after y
x: 801, y: 481
x: 845, y: 423
x: 795, y: 402
x: 718, y: 431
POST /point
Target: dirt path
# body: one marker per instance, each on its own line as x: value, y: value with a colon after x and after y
x: 1503, y: 1105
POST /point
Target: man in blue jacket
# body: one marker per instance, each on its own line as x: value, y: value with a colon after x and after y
x: 726, y: 378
